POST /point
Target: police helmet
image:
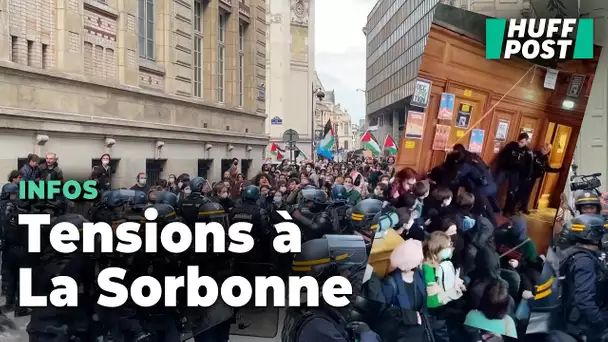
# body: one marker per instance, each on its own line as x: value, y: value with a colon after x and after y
x: 339, y: 193
x: 588, y: 199
x: 166, y: 197
x: 213, y: 212
x: 329, y: 256
x: 363, y: 214
x: 197, y: 184
x: 166, y: 213
x: 57, y: 206
x: 116, y: 198
x: 138, y: 199
x: 8, y: 190
x: 251, y: 193
x: 587, y: 228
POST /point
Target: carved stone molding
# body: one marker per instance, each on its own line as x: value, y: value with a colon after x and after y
x: 300, y: 12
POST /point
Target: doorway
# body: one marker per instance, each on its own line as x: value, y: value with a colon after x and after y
x: 204, y: 165
x: 559, y: 137
x: 154, y: 169
x: 245, y: 165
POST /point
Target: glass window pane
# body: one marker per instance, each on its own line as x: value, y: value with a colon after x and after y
x: 141, y: 27
x: 142, y: 47
x: 150, y: 11
x: 140, y: 9
x: 150, y: 30
x: 150, y: 51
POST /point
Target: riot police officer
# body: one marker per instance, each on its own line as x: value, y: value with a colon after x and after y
x: 586, y: 203
x: 583, y: 275
x: 310, y: 215
x: 213, y: 327
x: 249, y: 211
x: 338, y: 208
x: 54, y: 323
x: 190, y: 206
x: 158, y: 320
x: 331, y: 255
x: 512, y: 164
x: 364, y: 218
x: 14, y: 237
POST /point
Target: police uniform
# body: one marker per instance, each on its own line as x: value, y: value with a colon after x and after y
x: 190, y: 206
x: 582, y: 295
x: 512, y: 164
x: 338, y: 209
x: 362, y: 218
x: 323, y: 258
x: 311, y: 215
x: 583, y: 202
x: 14, y: 239
x: 249, y: 211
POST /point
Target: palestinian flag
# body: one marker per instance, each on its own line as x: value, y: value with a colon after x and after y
x: 389, y: 146
x: 279, y: 156
x: 275, y: 149
x: 369, y: 142
x: 299, y: 153
x: 327, y: 143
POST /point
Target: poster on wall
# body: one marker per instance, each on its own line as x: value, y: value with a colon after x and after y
x: 422, y: 93
x: 502, y: 130
x: 463, y: 117
x: 442, y: 135
x: 446, y: 107
x: 414, y: 126
x: 529, y: 131
x: 476, y: 142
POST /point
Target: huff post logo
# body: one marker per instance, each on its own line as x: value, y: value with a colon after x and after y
x: 539, y: 38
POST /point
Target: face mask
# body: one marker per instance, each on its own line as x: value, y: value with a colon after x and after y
x: 348, y: 187
x: 187, y: 191
x: 224, y: 195
x: 378, y: 192
x: 447, y: 202
x: 142, y: 181
x: 282, y: 189
x: 278, y: 199
x: 236, y: 163
x: 105, y: 162
x: 445, y: 254
x: 179, y: 185
x: 171, y: 180
x: 308, y: 169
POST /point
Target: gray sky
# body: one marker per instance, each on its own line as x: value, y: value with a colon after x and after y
x: 340, y: 50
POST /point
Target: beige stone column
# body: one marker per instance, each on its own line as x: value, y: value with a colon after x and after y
x: 127, y: 43
x: 164, y: 48
x: 250, y: 88
x: 5, y: 37
x: 68, y: 43
x: 210, y: 21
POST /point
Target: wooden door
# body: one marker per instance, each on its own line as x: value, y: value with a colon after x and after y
x: 530, y: 124
x: 461, y: 134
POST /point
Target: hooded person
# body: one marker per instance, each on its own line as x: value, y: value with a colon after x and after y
x: 487, y: 270
x: 404, y: 293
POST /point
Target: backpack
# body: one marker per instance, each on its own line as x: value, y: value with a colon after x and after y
x: 447, y: 277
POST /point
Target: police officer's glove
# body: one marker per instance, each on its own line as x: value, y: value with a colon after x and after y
x: 358, y: 328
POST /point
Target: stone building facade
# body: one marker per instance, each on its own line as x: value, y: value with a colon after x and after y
x: 163, y: 86
x: 290, y: 71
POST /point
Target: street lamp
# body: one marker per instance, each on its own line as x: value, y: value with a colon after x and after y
x: 320, y: 95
